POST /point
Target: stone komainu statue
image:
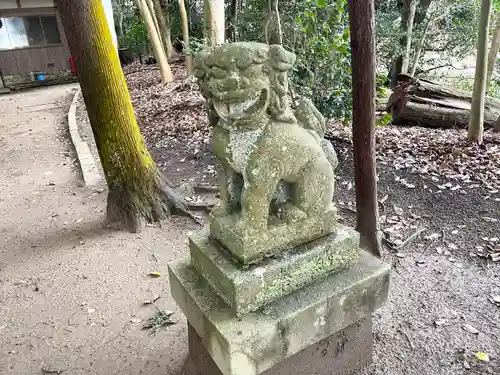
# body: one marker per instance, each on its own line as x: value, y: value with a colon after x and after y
x: 278, y: 171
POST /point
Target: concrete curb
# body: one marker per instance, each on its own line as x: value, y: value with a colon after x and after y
x: 88, y: 166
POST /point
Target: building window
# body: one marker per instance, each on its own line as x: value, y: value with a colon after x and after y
x: 22, y: 32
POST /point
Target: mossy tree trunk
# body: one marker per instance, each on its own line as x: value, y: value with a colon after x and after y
x: 185, y: 36
x: 163, y: 17
x: 136, y: 190
x: 159, y: 51
x: 476, y: 126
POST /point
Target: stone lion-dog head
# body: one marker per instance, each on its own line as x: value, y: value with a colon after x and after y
x: 245, y: 82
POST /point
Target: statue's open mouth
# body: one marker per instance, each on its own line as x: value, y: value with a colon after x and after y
x: 236, y: 109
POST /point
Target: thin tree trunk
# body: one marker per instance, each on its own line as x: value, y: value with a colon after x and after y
x: 420, y: 45
x: 410, y: 7
x: 231, y: 29
x: 214, y: 22
x: 210, y: 27
x: 421, y: 13
x: 274, y: 23
x: 220, y: 21
x: 121, y: 17
x: 153, y: 15
x: 164, y: 27
x: 120, y: 23
x: 135, y: 185
x: 278, y: 22
x: 185, y: 36
x: 159, y: 51
x: 478, y: 96
x: 362, y: 25
x: 492, y: 56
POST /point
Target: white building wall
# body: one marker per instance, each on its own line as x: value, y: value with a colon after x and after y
x: 108, y: 8
x: 8, y: 4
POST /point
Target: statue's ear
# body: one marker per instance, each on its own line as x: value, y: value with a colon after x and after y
x: 280, y: 59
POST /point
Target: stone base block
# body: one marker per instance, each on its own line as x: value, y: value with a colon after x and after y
x: 255, y: 342
x: 248, y: 288
x: 342, y: 353
x: 251, y: 248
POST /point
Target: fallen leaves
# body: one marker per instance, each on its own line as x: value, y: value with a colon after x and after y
x: 167, y: 112
x: 155, y: 298
x: 158, y: 320
x: 442, y: 156
x: 154, y: 274
x: 440, y: 322
x: 495, y: 299
x: 484, y: 357
x: 489, y: 219
x: 470, y: 329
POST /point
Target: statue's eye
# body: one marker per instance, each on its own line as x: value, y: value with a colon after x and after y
x: 252, y: 69
x: 243, y: 64
x: 218, y: 72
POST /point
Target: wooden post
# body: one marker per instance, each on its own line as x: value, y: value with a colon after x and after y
x: 362, y: 24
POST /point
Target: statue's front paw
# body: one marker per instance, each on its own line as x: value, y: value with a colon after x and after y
x: 291, y: 214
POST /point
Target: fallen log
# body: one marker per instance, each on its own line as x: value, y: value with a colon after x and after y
x: 418, y: 102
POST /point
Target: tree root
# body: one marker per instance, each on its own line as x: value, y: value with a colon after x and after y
x: 131, y: 210
x: 176, y: 201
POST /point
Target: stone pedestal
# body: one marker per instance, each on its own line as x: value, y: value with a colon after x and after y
x: 342, y: 353
x: 258, y: 319
x: 275, y: 286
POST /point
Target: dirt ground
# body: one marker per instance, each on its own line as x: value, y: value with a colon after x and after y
x: 431, y: 182
x: 72, y: 291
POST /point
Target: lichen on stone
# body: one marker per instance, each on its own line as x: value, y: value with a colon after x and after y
x: 286, y: 167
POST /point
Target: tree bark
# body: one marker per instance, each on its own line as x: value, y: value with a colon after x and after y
x: 214, y: 22
x: 362, y: 25
x: 420, y: 45
x: 418, y: 102
x: 159, y: 51
x: 185, y: 37
x: 134, y: 182
x: 231, y: 29
x: 274, y: 23
x: 121, y: 16
x: 163, y: 19
x: 151, y: 9
x: 492, y: 56
x: 420, y: 14
x: 410, y: 7
x: 477, y: 109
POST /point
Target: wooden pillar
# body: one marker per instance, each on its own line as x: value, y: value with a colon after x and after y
x: 362, y: 24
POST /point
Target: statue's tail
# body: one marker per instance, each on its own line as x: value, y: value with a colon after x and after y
x: 310, y: 118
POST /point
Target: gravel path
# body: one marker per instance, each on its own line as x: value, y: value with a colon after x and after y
x: 71, y: 291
